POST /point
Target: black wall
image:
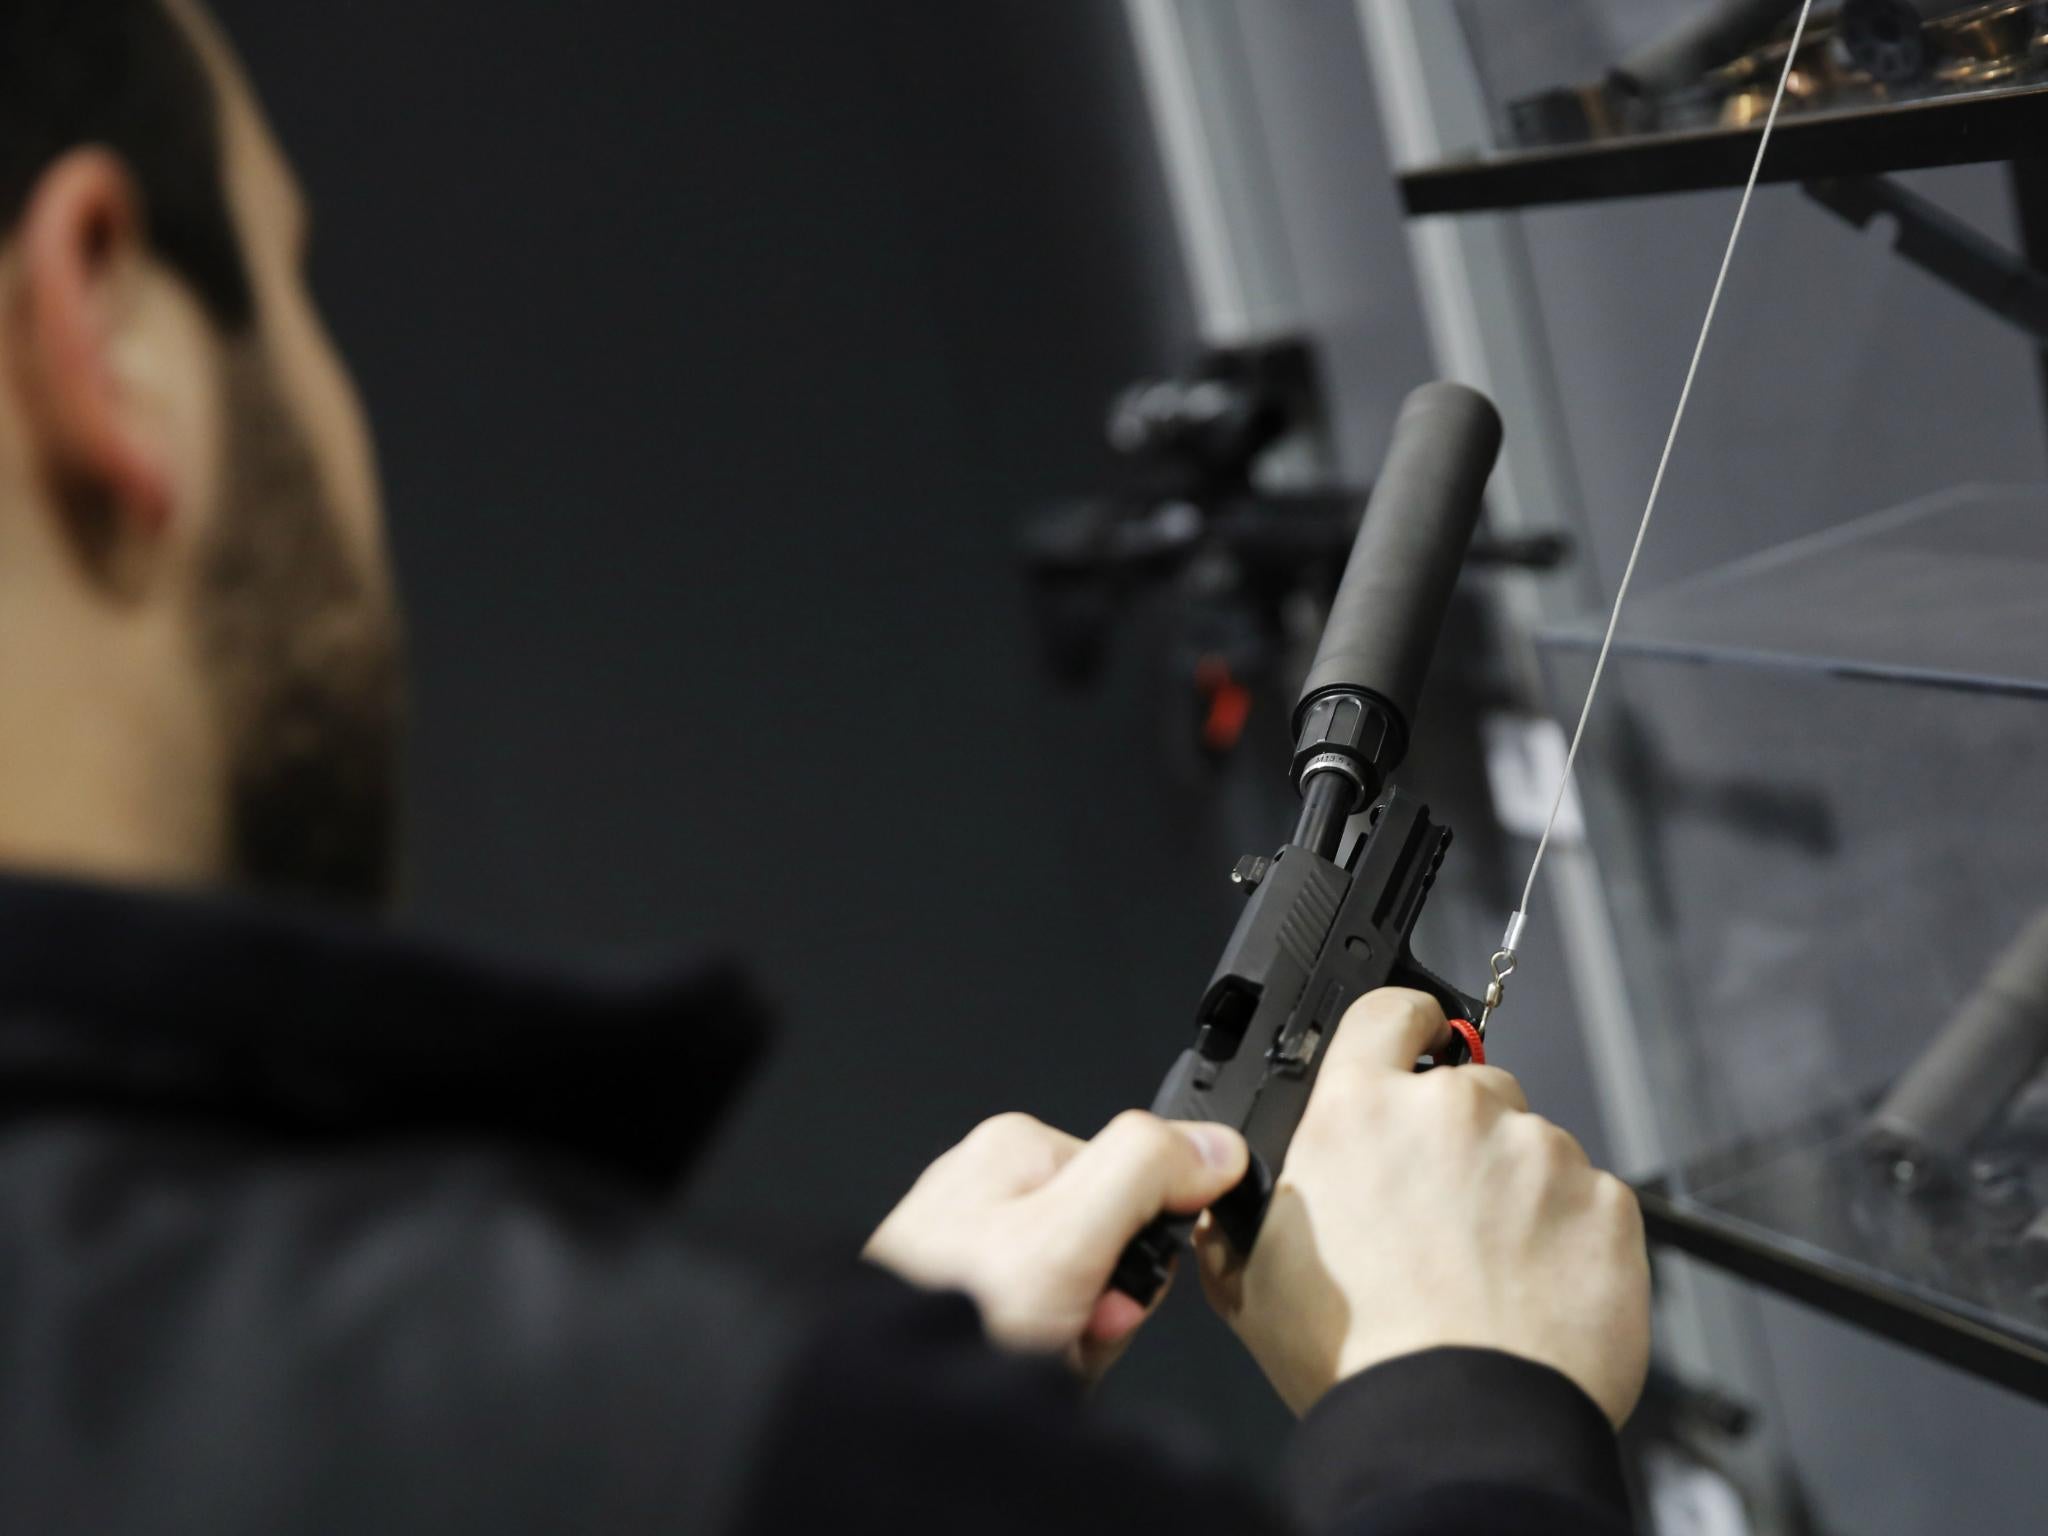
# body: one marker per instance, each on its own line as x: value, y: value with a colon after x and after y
x: 715, y: 352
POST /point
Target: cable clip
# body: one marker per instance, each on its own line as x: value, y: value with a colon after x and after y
x: 1502, y: 966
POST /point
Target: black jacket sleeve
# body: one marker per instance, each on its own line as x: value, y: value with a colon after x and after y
x: 1456, y: 1441
x: 437, y: 1341
x: 898, y: 1416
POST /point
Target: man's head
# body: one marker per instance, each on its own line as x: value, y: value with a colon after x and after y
x: 199, y: 675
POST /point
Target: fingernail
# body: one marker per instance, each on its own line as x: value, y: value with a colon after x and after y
x: 1217, y: 1145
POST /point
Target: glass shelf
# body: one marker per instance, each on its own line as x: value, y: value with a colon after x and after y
x: 1822, y: 824
x: 1949, y: 591
x: 1812, y: 1216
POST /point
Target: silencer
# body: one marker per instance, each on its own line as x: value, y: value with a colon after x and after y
x: 1396, y: 589
x: 1966, y: 1077
x: 1709, y: 35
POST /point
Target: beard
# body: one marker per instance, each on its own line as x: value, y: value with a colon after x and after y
x: 302, y: 655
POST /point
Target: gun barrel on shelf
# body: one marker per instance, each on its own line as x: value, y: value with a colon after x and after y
x: 1970, y: 1072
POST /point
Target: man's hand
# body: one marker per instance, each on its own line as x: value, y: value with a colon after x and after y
x: 1029, y: 1221
x: 1418, y: 1211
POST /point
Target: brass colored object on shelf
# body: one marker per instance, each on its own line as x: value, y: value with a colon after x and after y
x: 1991, y: 44
x: 1820, y: 75
x: 1866, y: 53
x: 1998, y: 43
x: 1575, y: 114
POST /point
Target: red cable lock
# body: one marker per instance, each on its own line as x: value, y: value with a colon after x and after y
x: 1475, y: 1043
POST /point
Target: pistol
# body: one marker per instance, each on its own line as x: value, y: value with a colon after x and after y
x: 1316, y: 933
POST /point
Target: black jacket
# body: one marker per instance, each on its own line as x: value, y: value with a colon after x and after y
x: 305, y: 1229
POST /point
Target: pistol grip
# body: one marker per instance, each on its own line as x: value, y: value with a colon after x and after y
x: 1142, y: 1268
x: 1147, y: 1260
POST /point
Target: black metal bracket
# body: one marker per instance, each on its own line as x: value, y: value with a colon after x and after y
x: 1945, y: 247
x: 1190, y: 517
x: 1847, y: 1292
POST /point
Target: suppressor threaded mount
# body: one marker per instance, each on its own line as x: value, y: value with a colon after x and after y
x: 1354, y: 727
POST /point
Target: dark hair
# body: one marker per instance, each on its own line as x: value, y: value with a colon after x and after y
x: 123, y: 74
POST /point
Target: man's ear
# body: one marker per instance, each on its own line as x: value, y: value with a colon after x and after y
x: 85, y: 278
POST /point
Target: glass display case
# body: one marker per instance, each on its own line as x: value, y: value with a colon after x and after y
x: 1611, y: 98
x: 1825, y: 842
x: 1815, y: 914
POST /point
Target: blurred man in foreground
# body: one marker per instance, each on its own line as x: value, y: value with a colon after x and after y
x: 307, y: 1228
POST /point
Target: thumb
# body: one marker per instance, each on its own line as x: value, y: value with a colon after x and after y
x: 1138, y: 1167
